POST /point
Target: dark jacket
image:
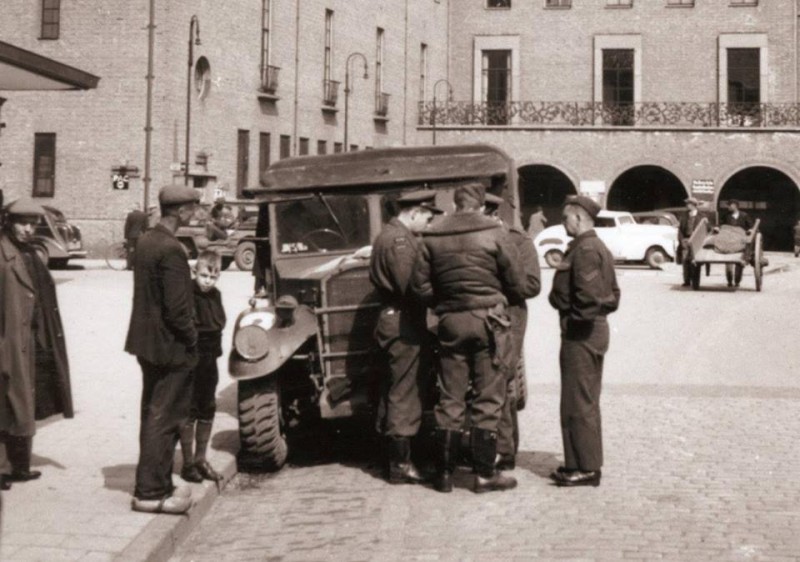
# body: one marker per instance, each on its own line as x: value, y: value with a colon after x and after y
x: 162, y: 329
x: 585, y: 284
x: 687, y: 225
x: 742, y: 221
x: 210, y: 320
x: 531, y: 274
x: 391, y: 263
x: 466, y: 262
x: 136, y: 224
x: 17, y: 377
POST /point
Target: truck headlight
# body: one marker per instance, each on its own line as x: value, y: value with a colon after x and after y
x: 251, y: 340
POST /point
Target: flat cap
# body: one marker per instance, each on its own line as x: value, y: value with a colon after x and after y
x: 587, y: 204
x: 24, y: 207
x: 177, y: 195
x: 424, y: 198
x: 691, y: 201
x: 493, y: 200
x: 474, y: 192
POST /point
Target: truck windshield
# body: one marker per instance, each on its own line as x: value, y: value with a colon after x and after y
x: 322, y: 223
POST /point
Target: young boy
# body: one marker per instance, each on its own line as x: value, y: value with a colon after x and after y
x: 210, y: 319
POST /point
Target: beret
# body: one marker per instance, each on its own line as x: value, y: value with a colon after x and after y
x: 587, y: 204
x: 691, y: 200
x: 177, y: 195
x: 493, y: 200
x: 24, y: 206
x: 421, y: 198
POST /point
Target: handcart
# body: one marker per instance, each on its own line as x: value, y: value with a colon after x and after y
x: 703, y: 254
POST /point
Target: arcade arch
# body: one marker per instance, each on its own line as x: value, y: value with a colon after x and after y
x: 645, y: 188
x: 545, y: 186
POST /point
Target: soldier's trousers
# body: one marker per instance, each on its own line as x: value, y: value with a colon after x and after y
x: 507, y: 430
x: 466, y: 357
x: 582, y: 350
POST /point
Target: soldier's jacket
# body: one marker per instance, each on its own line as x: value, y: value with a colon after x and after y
x: 528, y: 264
x: 394, y: 253
x: 585, y: 285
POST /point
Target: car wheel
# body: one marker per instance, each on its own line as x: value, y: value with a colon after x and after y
x: 245, y: 256
x: 655, y: 257
x: 553, y: 258
x: 262, y: 441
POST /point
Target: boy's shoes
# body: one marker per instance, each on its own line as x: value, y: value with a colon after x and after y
x: 4, y: 485
x: 206, y: 471
x: 176, y: 504
x: 191, y: 473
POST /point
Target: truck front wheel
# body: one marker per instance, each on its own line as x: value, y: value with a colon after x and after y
x: 262, y: 440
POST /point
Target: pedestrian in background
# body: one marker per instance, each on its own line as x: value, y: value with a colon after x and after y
x: 536, y: 222
x: 797, y: 239
x: 465, y: 269
x: 401, y: 332
x: 685, y: 230
x: 135, y: 224
x: 34, y: 368
x: 738, y: 219
x: 584, y: 292
x: 517, y: 310
x: 163, y: 337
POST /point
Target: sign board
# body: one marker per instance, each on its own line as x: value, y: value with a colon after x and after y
x: 592, y: 187
x: 703, y: 189
x: 120, y: 182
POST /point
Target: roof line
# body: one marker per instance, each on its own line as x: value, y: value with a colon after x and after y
x: 47, y: 67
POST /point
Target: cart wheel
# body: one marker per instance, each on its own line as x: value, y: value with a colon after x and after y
x: 758, y: 256
x: 697, y: 270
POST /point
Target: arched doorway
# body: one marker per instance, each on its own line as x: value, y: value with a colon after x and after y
x: 545, y: 186
x: 767, y: 194
x: 646, y: 188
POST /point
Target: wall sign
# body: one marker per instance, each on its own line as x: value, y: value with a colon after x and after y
x: 120, y: 182
x: 703, y: 189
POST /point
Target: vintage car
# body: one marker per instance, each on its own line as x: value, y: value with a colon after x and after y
x: 237, y: 245
x: 629, y: 242
x: 306, y: 354
x: 57, y: 240
x: 656, y: 217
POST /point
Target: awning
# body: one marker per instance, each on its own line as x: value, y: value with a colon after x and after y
x: 25, y: 70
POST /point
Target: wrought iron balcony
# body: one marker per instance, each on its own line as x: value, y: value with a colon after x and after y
x: 330, y: 92
x: 269, y: 79
x: 381, y: 104
x: 656, y: 115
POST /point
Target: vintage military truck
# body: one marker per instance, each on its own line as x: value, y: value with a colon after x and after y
x: 305, y: 354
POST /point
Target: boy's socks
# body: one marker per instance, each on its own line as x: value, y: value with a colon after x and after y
x: 187, y: 441
x: 202, y: 437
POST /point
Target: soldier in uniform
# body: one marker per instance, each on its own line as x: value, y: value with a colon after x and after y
x: 685, y: 229
x: 584, y: 292
x: 401, y: 330
x: 507, y: 429
x: 465, y: 269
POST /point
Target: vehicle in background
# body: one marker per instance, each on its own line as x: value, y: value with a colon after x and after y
x: 628, y: 241
x: 240, y: 244
x: 57, y: 241
x: 656, y: 217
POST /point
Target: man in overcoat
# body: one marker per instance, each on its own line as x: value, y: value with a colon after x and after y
x: 136, y: 223
x: 163, y: 337
x: 685, y: 230
x: 34, y: 369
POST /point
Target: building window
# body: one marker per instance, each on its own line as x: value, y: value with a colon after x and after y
x: 202, y: 78
x: 558, y: 3
x: 744, y: 85
x: 496, y: 77
x: 286, y: 146
x: 423, y: 70
x: 303, y: 147
x: 618, y: 85
x: 242, y: 160
x: 264, y: 144
x: 744, y: 2
x: 322, y: 147
x: 337, y: 147
x: 498, y: 3
x: 266, y: 21
x: 619, y: 3
x: 51, y: 19
x: 378, y: 67
x: 682, y: 3
x: 327, y: 77
x: 353, y: 148
x: 44, y: 164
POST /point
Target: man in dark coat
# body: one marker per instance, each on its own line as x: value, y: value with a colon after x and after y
x: 401, y: 331
x: 685, y: 230
x: 34, y: 369
x: 584, y: 292
x: 740, y: 219
x: 530, y: 285
x: 163, y: 337
x: 136, y: 224
x: 465, y: 269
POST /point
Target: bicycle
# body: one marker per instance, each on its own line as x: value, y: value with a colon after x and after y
x: 117, y: 256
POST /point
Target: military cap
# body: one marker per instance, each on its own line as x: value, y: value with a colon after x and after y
x: 177, y: 195
x: 471, y: 191
x: 421, y: 198
x: 493, y: 200
x: 24, y: 207
x: 691, y: 201
x: 587, y: 204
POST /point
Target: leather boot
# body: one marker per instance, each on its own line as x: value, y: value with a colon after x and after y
x: 18, y: 450
x: 401, y: 469
x: 448, y: 444
x: 189, y: 471
x: 484, y: 452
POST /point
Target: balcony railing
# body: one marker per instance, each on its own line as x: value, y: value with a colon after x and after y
x: 381, y: 104
x: 330, y: 92
x: 678, y: 115
x: 269, y: 79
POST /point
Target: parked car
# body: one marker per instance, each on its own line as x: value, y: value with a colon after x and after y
x: 238, y: 247
x: 656, y: 217
x: 57, y: 240
x: 628, y: 242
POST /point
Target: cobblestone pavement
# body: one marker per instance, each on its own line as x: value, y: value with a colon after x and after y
x: 700, y: 413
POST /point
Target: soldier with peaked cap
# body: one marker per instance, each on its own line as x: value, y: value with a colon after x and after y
x: 163, y: 337
x: 401, y: 331
x: 34, y: 369
x: 584, y: 292
x: 517, y: 310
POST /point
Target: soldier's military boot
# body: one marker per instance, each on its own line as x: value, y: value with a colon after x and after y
x: 18, y: 451
x: 401, y: 469
x: 448, y: 444
x: 484, y: 450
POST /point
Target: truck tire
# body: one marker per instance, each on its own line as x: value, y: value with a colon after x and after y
x: 245, y: 256
x: 263, y: 444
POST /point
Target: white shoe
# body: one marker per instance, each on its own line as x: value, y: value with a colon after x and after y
x: 174, y: 504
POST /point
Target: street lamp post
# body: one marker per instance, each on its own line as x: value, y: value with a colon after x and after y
x: 194, y: 39
x: 347, y: 91
x: 449, y: 98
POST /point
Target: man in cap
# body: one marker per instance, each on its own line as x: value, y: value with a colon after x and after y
x: 465, y: 270
x: 34, y: 369
x: 517, y: 310
x: 584, y: 292
x: 163, y: 337
x: 401, y: 331
x: 739, y: 219
x: 685, y: 229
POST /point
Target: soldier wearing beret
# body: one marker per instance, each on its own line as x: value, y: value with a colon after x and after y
x: 34, y: 370
x: 517, y: 310
x: 401, y: 331
x: 163, y: 337
x: 584, y: 292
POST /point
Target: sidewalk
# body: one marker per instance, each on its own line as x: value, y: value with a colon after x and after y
x: 80, y: 508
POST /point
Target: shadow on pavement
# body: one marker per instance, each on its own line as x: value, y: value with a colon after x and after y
x: 120, y: 477
x: 538, y: 462
x: 227, y: 441
x: 228, y: 400
x: 38, y: 460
